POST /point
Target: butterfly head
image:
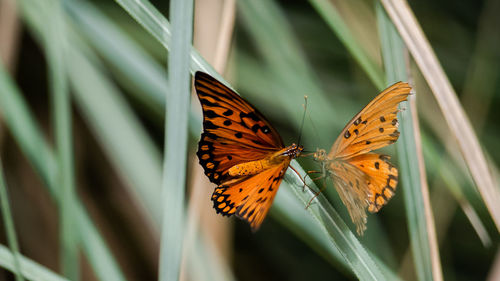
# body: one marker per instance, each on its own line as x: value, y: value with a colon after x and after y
x: 293, y: 151
x: 320, y: 155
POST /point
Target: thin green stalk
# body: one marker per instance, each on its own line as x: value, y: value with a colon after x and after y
x: 29, y: 138
x: 30, y: 269
x: 285, y: 60
x: 10, y: 227
x: 55, y: 43
x: 332, y: 17
x: 412, y: 173
x: 455, y: 116
x: 364, y: 264
x: 158, y: 26
x: 176, y: 139
x: 134, y: 65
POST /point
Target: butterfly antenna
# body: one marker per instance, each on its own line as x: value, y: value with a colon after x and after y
x: 303, y: 119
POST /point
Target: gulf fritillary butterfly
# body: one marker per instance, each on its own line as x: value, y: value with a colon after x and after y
x: 239, y: 151
x: 363, y: 179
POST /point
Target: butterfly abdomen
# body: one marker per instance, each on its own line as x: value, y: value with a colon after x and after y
x: 250, y: 168
x: 257, y: 166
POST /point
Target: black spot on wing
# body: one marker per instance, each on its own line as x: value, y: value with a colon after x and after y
x: 208, y: 103
x: 210, y: 113
x: 252, y: 115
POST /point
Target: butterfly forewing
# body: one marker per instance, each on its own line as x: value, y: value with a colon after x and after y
x: 240, y: 151
x: 375, y: 126
x: 234, y: 131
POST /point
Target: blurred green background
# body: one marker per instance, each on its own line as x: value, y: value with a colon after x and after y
x: 279, y: 52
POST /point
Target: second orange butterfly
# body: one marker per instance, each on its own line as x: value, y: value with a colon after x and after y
x: 362, y: 179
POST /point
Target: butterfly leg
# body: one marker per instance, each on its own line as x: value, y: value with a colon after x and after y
x: 303, y: 179
x: 322, y: 176
x: 318, y: 192
x: 312, y: 179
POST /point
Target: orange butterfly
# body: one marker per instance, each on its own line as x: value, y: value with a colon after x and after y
x: 240, y: 152
x: 363, y: 179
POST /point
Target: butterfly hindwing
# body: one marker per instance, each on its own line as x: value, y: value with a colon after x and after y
x: 234, y: 131
x: 351, y: 185
x: 375, y: 126
x: 382, y: 178
x: 250, y: 198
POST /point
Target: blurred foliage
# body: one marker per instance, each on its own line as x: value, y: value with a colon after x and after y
x: 457, y: 30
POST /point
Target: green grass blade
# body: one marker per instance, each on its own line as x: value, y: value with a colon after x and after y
x: 363, y: 264
x: 24, y: 130
x: 134, y: 65
x: 30, y: 269
x: 415, y: 191
x: 176, y: 139
x: 286, y: 61
x: 158, y: 26
x: 54, y: 48
x: 10, y: 227
x: 454, y: 114
x: 123, y: 138
x: 332, y: 17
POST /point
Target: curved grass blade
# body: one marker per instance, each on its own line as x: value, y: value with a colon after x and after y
x: 158, y: 26
x: 364, y: 265
x: 415, y: 189
x: 457, y: 120
x: 24, y: 130
x: 30, y: 269
x: 134, y: 65
x: 10, y: 228
x: 176, y: 139
x: 332, y: 17
x: 55, y: 46
x: 285, y: 60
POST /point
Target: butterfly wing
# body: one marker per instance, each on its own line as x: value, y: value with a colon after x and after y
x: 234, y: 131
x: 351, y: 185
x: 362, y: 179
x: 375, y: 126
x: 382, y: 178
x: 250, y: 198
x: 365, y: 181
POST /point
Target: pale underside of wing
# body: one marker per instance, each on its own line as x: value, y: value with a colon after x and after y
x: 366, y: 181
x: 351, y: 185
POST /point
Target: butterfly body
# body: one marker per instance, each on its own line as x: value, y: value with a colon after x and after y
x: 258, y: 166
x: 366, y: 180
x: 240, y: 152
